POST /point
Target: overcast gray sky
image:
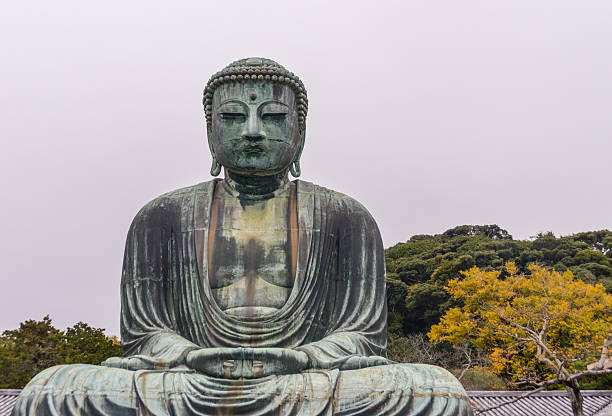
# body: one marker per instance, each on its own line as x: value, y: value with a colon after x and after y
x: 431, y: 113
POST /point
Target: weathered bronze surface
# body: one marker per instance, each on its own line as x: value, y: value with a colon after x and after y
x: 251, y: 295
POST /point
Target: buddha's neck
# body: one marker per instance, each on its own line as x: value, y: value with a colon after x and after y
x: 256, y: 187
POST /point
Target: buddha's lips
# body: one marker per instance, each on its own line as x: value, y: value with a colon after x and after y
x: 254, y: 149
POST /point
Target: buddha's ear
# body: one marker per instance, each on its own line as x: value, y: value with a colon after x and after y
x: 215, y: 168
x: 295, y: 169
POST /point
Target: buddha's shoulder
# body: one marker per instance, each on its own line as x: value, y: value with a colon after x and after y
x: 335, y: 201
x: 175, y: 200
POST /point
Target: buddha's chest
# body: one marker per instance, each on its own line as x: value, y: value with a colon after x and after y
x: 251, y: 253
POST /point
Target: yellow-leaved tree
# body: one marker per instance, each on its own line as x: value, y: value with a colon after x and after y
x: 539, y: 329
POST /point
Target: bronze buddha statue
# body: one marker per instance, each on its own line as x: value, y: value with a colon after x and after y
x: 251, y: 295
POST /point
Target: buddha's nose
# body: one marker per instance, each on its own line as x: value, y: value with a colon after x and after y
x: 252, y: 130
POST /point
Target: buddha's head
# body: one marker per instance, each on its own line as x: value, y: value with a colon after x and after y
x: 256, y: 118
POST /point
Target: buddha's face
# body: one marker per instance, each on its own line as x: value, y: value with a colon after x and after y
x: 254, y: 127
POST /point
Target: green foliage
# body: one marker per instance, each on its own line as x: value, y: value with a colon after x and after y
x: 493, y: 232
x: 87, y: 345
x: 420, y: 268
x: 426, y: 303
x: 33, y: 347
x: 396, y: 293
x: 37, y: 345
x: 603, y: 382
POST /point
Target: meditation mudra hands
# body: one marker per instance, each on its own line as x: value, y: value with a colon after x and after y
x: 223, y: 362
x: 235, y: 363
x: 247, y: 362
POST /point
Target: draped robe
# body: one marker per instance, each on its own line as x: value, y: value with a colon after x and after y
x: 336, y: 310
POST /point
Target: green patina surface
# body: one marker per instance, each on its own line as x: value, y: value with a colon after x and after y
x: 251, y: 295
x: 251, y: 256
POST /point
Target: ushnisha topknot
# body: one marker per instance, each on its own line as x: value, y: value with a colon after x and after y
x: 256, y: 69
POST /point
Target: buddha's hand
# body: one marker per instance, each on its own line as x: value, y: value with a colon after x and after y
x: 247, y: 362
x: 143, y: 362
x: 355, y: 362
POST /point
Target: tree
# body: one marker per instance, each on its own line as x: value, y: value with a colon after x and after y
x: 31, y: 348
x: 37, y: 345
x: 467, y: 363
x: 426, y: 263
x: 87, y: 345
x: 539, y: 330
x: 490, y: 231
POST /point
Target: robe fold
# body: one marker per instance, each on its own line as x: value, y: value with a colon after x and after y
x: 336, y: 310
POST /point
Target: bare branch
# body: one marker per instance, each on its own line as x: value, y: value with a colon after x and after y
x: 604, y: 353
x: 585, y: 373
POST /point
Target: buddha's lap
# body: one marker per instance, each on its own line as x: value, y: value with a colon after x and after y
x: 81, y: 380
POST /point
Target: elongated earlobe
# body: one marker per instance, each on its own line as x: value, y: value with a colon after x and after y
x: 295, y: 168
x: 215, y: 169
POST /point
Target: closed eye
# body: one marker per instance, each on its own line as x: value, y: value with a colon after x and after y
x: 274, y: 116
x: 233, y: 116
